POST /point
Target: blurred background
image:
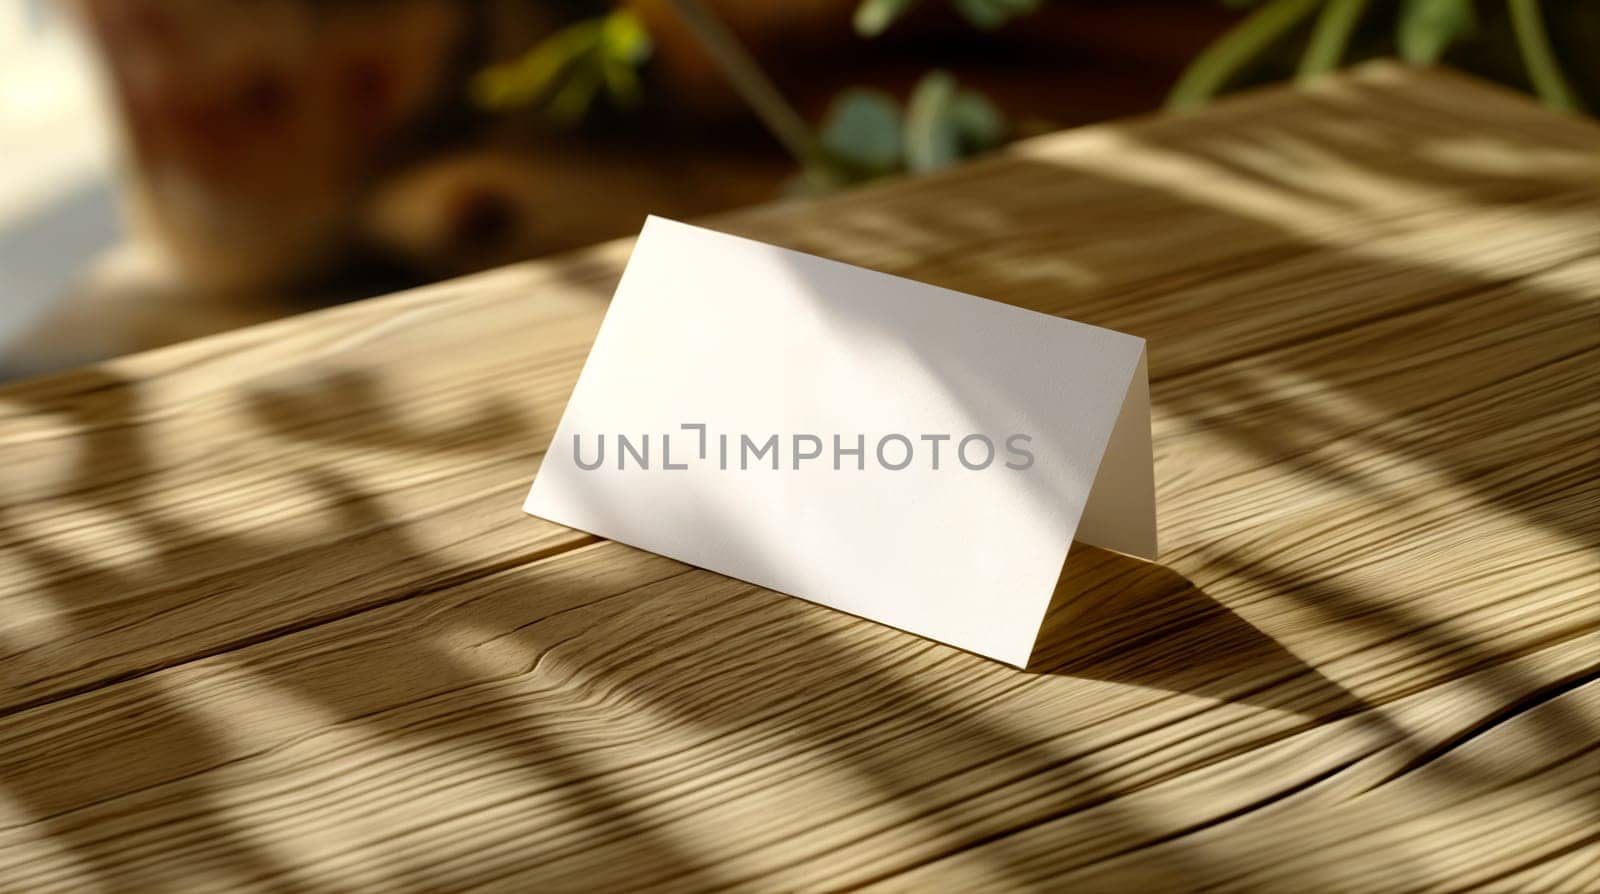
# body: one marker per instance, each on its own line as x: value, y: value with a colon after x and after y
x: 173, y: 168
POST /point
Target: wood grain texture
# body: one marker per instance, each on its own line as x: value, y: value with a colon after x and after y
x: 270, y: 616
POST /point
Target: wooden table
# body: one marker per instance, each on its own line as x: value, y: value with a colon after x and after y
x: 271, y: 616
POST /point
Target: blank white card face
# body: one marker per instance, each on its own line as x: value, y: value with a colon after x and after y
x: 902, y: 452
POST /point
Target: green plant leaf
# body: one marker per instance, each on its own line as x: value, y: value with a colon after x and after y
x: 567, y: 70
x: 945, y: 124
x: 1330, y: 37
x: 863, y: 132
x: 622, y: 83
x: 624, y: 45
x: 873, y: 17
x: 989, y: 14
x: 576, y: 93
x: 1539, y: 58
x: 931, y: 140
x: 1428, y: 27
x: 532, y: 76
x: 1230, y: 52
x: 979, y: 125
x: 623, y: 39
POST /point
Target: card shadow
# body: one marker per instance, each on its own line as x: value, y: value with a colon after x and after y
x: 1125, y: 620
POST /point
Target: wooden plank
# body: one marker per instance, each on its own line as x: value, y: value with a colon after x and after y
x: 1459, y: 792
x: 183, y: 502
x: 608, y: 718
x: 271, y: 617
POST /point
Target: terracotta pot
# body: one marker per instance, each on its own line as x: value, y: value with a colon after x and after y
x: 253, y: 127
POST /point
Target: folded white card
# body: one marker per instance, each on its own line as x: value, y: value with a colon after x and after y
x: 903, y: 452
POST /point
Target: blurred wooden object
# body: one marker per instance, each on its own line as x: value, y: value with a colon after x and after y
x: 271, y: 617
